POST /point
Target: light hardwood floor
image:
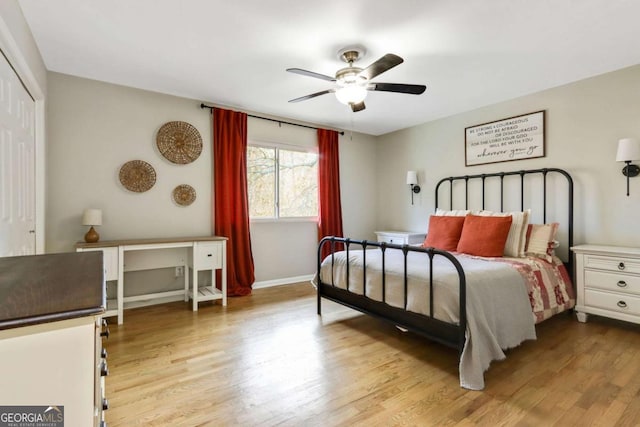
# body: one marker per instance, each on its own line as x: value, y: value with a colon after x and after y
x: 268, y: 359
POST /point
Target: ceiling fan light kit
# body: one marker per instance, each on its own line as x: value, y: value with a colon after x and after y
x: 351, y: 94
x: 354, y: 82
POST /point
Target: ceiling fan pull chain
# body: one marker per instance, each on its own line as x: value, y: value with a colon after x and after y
x: 351, y: 128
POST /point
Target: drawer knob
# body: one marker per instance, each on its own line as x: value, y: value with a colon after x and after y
x: 622, y: 304
x: 621, y: 266
x: 209, y: 255
x: 104, y: 370
x: 622, y: 284
x: 105, y: 329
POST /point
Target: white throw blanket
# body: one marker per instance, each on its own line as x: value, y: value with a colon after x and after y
x: 498, y: 309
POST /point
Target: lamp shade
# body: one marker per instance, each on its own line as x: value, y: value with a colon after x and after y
x: 351, y: 94
x: 412, y: 178
x: 628, y: 150
x: 92, y: 217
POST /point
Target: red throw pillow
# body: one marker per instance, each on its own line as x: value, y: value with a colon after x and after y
x: 484, y: 235
x: 444, y: 232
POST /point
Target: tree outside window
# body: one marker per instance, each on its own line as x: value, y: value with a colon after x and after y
x: 282, y: 183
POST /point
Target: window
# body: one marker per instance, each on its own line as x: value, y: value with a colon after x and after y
x: 283, y: 183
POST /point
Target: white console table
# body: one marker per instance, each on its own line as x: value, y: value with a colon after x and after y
x: 196, y: 253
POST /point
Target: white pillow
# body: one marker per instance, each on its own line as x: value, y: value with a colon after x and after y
x: 442, y: 212
x: 515, y: 245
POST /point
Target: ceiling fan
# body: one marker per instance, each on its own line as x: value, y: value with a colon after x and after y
x: 354, y: 82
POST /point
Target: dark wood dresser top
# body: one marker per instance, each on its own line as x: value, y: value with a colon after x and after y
x: 45, y: 288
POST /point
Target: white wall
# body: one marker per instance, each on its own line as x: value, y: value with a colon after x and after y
x: 18, y: 44
x: 95, y: 127
x: 584, y: 121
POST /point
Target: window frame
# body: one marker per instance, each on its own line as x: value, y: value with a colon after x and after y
x: 287, y: 147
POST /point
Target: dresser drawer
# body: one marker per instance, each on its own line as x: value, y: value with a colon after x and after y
x: 616, y: 282
x: 617, y: 302
x: 613, y: 263
x: 208, y: 255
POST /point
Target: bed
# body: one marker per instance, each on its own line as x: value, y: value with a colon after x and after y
x: 460, y: 292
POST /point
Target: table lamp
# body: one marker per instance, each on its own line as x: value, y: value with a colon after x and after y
x: 92, y: 217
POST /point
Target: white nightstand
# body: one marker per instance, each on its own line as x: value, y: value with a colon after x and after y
x: 400, y: 237
x: 608, y: 282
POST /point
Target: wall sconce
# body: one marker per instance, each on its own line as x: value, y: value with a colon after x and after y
x: 628, y: 150
x: 412, y: 180
x: 92, y: 217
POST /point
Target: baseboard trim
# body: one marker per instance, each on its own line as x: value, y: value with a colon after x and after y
x: 284, y: 281
x: 153, y: 301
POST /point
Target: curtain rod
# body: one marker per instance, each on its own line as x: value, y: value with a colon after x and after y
x: 203, y: 106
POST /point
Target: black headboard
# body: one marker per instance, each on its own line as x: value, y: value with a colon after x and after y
x: 484, y: 178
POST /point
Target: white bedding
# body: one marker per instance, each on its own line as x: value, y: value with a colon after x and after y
x: 498, y: 309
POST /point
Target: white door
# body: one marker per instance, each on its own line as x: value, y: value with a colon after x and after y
x: 17, y: 170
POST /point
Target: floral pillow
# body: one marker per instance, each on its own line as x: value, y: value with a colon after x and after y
x: 541, y: 240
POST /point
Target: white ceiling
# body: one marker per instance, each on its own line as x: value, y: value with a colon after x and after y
x: 234, y: 53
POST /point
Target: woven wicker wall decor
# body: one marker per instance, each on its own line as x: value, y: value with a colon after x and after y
x: 184, y: 195
x: 137, y: 175
x: 179, y: 142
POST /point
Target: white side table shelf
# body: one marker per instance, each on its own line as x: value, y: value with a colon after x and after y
x: 400, y: 237
x: 608, y: 282
x: 208, y: 256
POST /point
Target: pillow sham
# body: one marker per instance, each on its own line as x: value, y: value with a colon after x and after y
x: 444, y: 232
x: 484, y: 235
x: 460, y: 212
x: 515, y: 245
x: 541, y: 240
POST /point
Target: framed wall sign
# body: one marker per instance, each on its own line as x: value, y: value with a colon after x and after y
x: 514, y: 138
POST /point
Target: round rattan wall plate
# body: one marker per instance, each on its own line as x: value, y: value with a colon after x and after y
x: 184, y: 195
x: 179, y: 142
x: 137, y: 175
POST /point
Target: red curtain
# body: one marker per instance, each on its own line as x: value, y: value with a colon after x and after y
x: 330, y: 209
x: 230, y: 198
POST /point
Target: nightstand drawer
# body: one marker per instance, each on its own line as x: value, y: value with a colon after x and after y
x: 400, y: 237
x: 615, y: 282
x: 398, y: 240
x: 612, y: 263
x: 612, y: 301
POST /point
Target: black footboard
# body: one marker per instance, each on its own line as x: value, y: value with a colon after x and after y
x: 449, y: 334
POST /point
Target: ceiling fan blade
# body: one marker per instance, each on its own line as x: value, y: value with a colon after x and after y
x: 310, y: 74
x: 398, y: 87
x: 313, y: 95
x: 383, y: 64
x: 357, y: 107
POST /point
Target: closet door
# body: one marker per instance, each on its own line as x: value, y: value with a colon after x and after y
x: 17, y: 165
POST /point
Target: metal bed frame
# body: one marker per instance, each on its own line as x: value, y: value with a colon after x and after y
x: 449, y: 334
